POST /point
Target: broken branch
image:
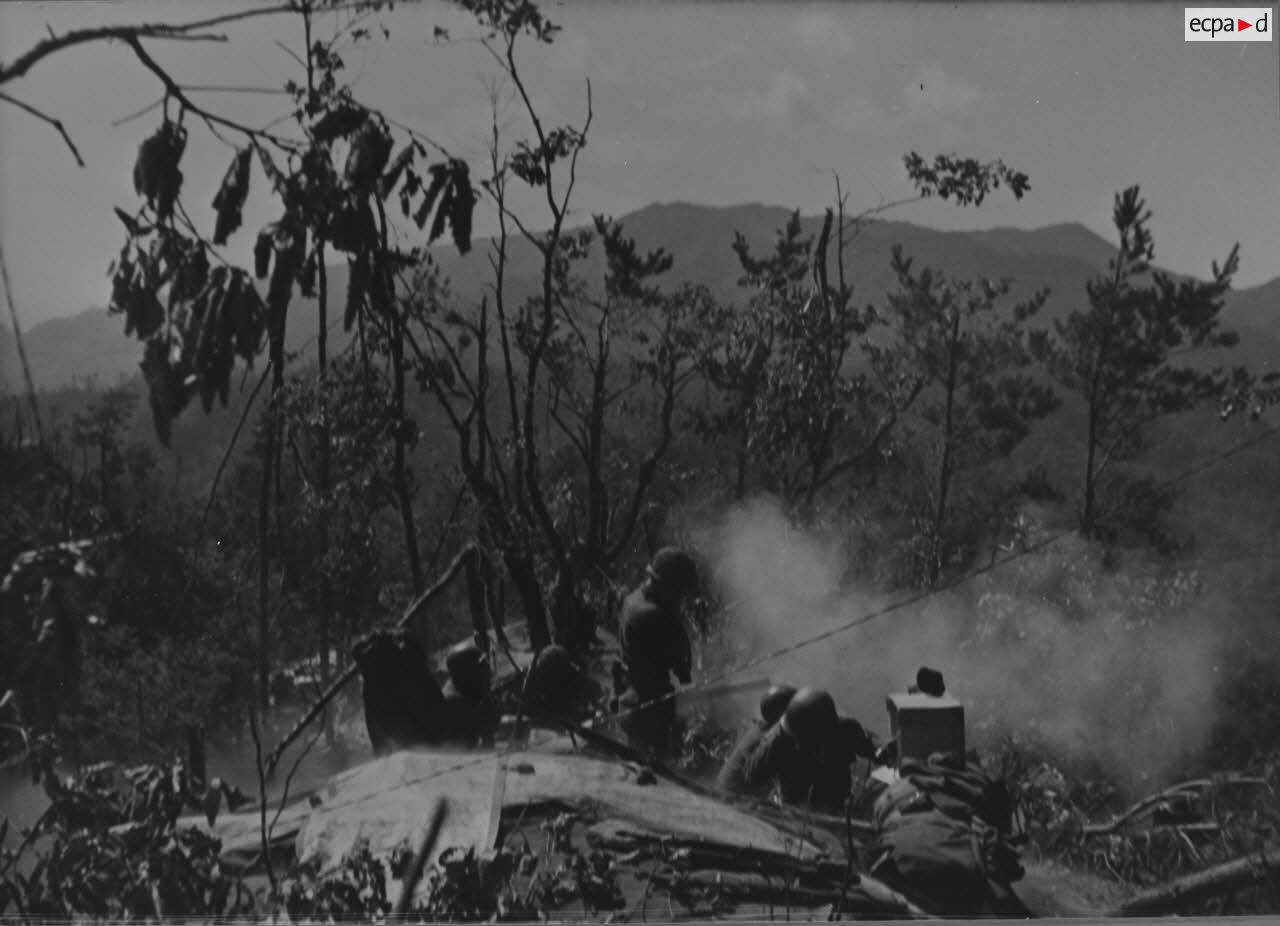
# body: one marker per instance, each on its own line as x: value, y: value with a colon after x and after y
x: 1220, y: 879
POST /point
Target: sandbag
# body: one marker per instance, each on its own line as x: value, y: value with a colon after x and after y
x: 951, y: 867
x: 947, y: 783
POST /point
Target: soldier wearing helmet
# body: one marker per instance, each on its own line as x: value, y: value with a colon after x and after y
x: 732, y: 778
x: 655, y: 647
x: 799, y: 755
x: 471, y: 715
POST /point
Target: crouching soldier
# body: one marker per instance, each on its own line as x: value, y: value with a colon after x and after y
x: 558, y: 687
x: 655, y: 646
x: 402, y: 700
x: 799, y: 757
x: 471, y: 716
x: 732, y: 777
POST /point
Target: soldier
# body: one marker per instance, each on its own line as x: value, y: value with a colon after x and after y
x: 798, y: 756
x: 656, y: 646
x: 928, y: 682
x: 853, y: 741
x: 402, y: 700
x: 471, y: 717
x: 732, y: 778
x: 558, y: 685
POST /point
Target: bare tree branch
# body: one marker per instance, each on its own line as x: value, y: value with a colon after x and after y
x: 137, y: 114
x: 49, y: 46
x: 291, y: 53
x: 210, y: 119
x: 233, y: 88
x: 44, y: 117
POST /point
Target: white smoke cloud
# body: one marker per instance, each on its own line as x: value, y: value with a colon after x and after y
x: 1114, y: 669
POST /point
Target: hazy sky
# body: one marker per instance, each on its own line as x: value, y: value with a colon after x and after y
x: 717, y: 103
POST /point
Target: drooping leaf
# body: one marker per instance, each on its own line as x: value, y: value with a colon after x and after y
x: 156, y: 176
x: 250, y: 321
x: 370, y: 150
x: 262, y: 250
x: 167, y: 391
x: 351, y: 226
x: 230, y: 198
x: 439, y: 177
x: 279, y: 182
x: 192, y: 273
x: 392, y: 175
x: 461, y: 207
x: 442, y: 214
x: 339, y: 121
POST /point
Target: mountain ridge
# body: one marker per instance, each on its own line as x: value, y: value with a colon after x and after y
x: 90, y: 345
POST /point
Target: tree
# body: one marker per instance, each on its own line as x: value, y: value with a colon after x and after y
x: 971, y: 359
x: 576, y: 363
x: 1120, y: 355
x: 97, y: 430
x: 809, y: 396
x: 197, y: 313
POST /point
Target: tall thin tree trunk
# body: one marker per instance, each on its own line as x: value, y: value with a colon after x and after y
x: 322, y: 480
x: 401, y: 476
x: 1090, y: 474
x: 936, y: 546
x: 270, y: 482
x: 264, y: 567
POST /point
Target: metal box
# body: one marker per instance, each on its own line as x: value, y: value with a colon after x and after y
x: 923, y: 724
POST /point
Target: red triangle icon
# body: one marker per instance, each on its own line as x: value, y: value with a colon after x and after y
x: 1243, y: 25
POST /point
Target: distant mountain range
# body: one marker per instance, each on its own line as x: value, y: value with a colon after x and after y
x: 92, y: 346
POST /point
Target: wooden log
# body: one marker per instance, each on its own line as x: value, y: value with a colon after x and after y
x: 415, y: 607
x: 1174, y: 896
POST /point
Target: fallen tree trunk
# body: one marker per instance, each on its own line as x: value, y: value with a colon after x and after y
x: 414, y: 609
x: 1212, y: 882
x: 1180, y: 790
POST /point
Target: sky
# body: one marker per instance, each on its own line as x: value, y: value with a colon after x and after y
x: 716, y: 103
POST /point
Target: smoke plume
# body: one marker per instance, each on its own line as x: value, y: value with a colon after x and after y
x: 1113, y: 670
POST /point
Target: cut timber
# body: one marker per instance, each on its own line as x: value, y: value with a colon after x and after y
x: 1220, y: 879
x: 385, y: 803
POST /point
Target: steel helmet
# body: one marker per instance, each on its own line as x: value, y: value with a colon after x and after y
x: 811, y: 716
x: 465, y: 661
x: 775, y: 702
x: 674, y: 569
x: 929, y: 681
